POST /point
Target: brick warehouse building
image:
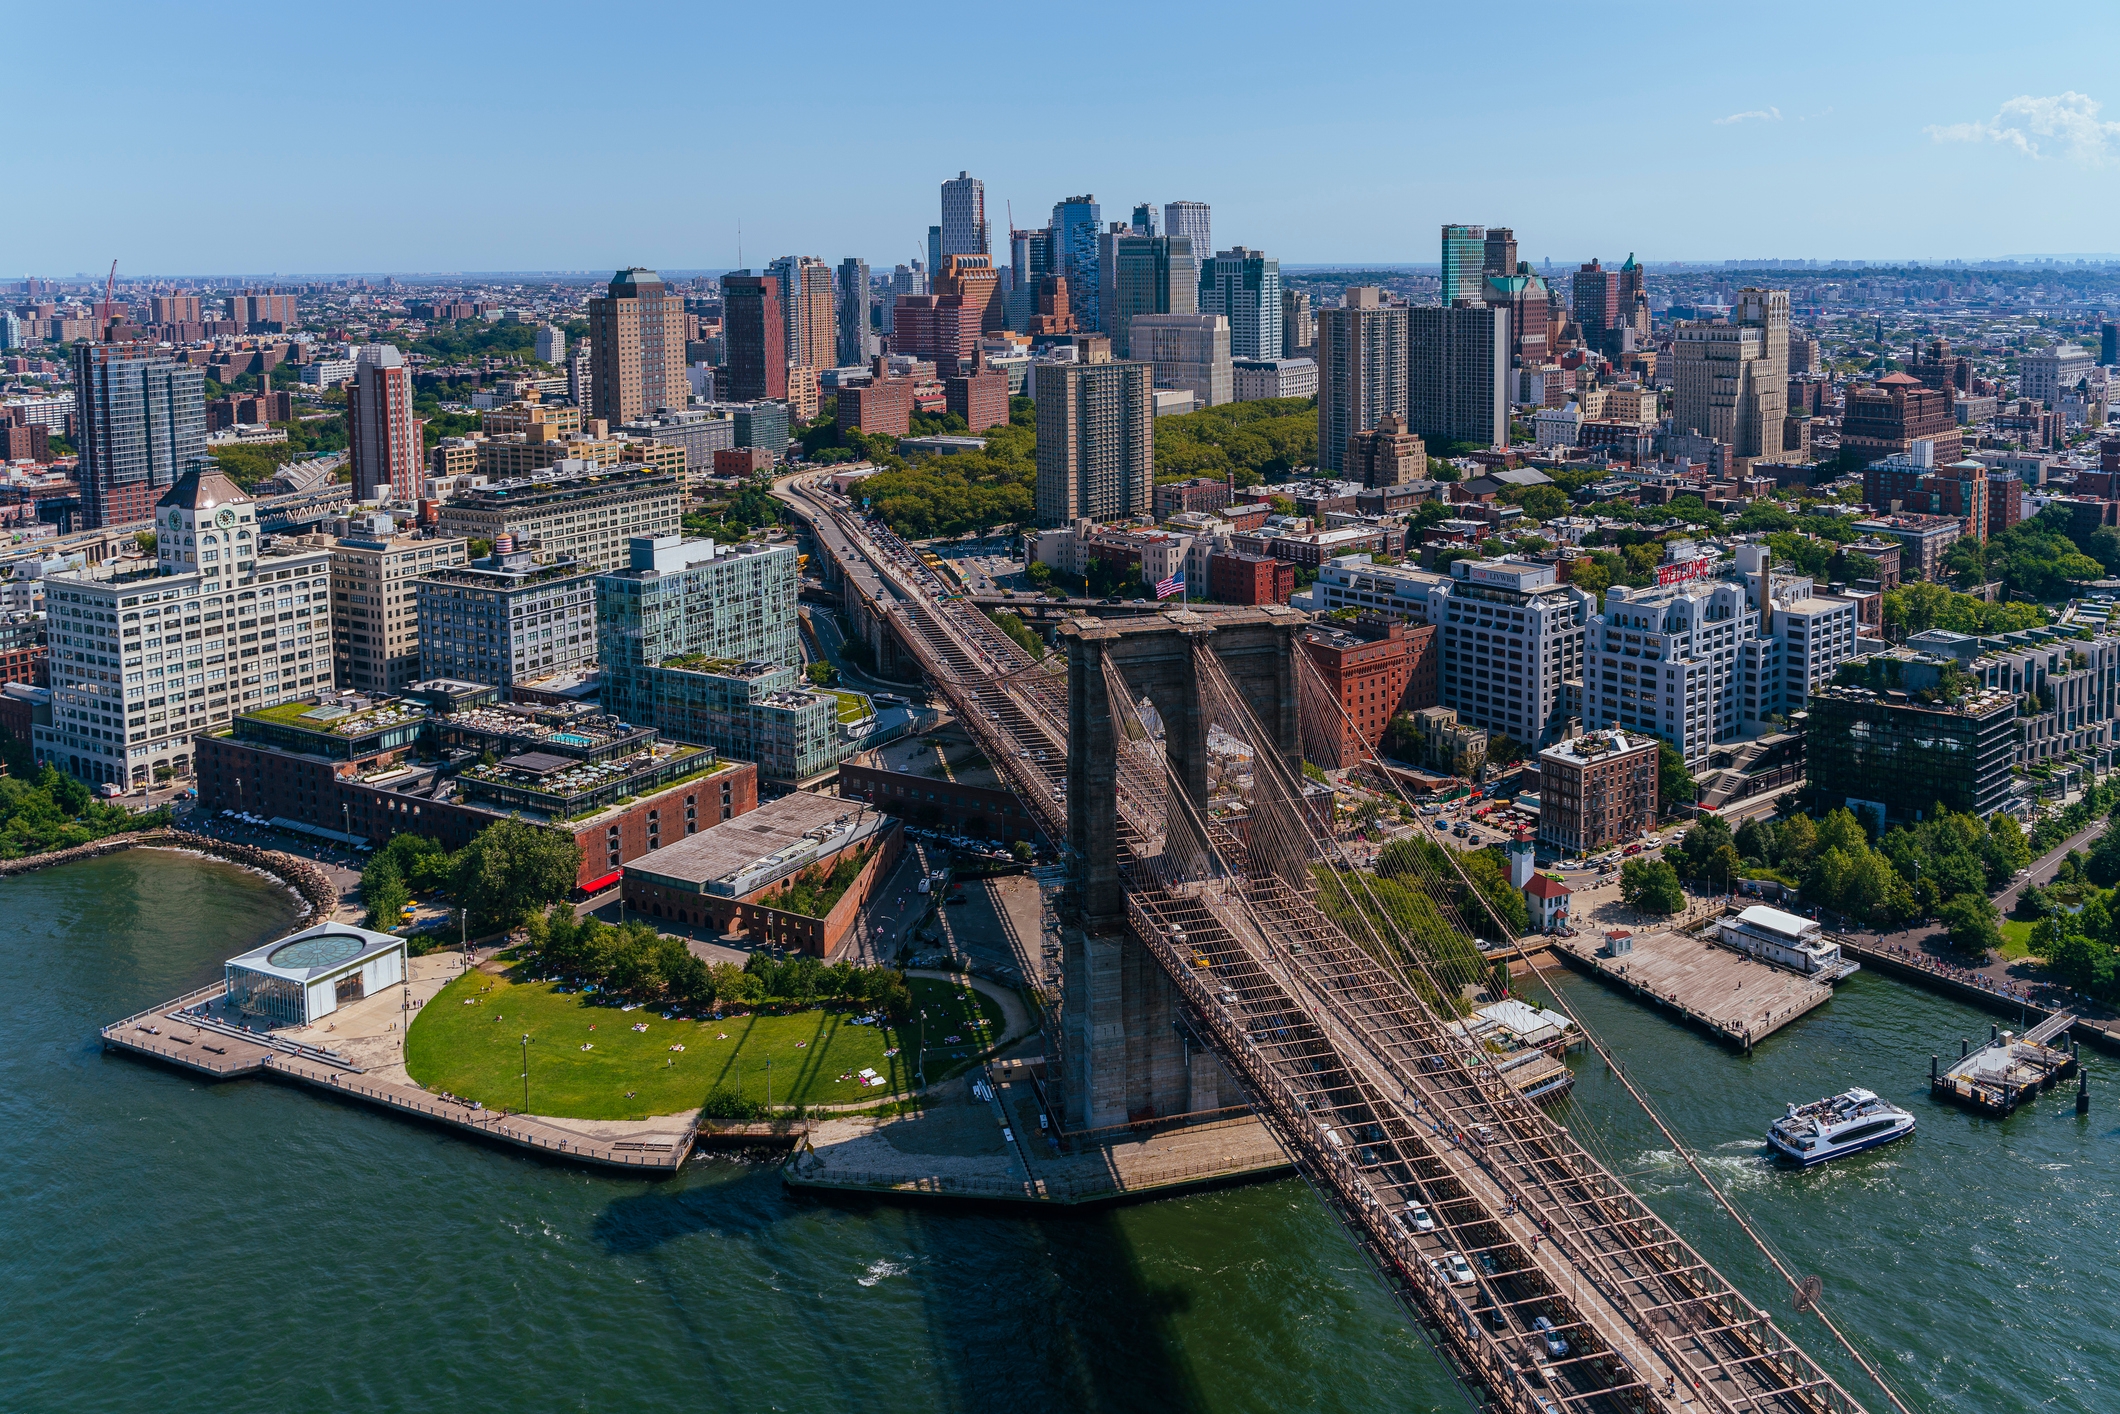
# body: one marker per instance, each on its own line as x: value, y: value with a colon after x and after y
x: 729, y: 878
x: 1375, y: 667
x: 371, y: 769
x: 1596, y: 790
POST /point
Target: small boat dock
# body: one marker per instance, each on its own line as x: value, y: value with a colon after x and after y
x: 1737, y: 997
x: 2008, y: 1070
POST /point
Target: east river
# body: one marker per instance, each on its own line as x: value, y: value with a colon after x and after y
x: 173, y: 1245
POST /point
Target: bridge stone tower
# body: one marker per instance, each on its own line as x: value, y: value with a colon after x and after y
x: 1122, y: 1055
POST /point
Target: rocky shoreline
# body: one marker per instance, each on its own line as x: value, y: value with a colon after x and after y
x: 318, y: 895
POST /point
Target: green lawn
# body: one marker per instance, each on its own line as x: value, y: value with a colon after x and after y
x: 853, y: 706
x: 468, y: 1041
x: 2016, y: 937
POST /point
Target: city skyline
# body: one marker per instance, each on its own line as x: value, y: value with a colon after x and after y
x: 2009, y: 135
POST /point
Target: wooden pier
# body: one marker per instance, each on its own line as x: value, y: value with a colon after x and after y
x: 178, y: 1033
x: 2008, y: 1070
x: 1738, y: 998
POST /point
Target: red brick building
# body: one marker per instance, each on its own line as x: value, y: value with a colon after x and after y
x: 744, y: 462
x: 882, y: 407
x: 2005, y: 497
x: 1250, y: 579
x: 1887, y: 418
x: 979, y: 396
x: 1376, y: 667
x: 940, y: 328
x: 276, y: 765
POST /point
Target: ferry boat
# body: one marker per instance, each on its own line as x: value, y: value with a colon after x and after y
x: 1838, y: 1126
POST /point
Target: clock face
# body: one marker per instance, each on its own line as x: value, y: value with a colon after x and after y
x: 225, y: 517
x: 176, y: 520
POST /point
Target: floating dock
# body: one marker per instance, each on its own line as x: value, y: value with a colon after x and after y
x: 1738, y: 998
x: 183, y: 1034
x: 2008, y: 1070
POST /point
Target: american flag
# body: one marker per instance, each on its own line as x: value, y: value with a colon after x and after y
x: 1174, y: 585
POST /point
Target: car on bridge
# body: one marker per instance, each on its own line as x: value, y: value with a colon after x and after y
x: 1413, y: 1219
x: 1452, y: 1267
x: 1555, y: 1345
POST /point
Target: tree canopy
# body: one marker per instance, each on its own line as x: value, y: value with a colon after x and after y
x: 1256, y: 441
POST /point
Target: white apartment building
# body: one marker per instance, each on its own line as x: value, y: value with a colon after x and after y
x: 1664, y: 660
x: 1804, y: 637
x: 1353, y: 582
x: 329, y: 372
x: 2043, y: 373
x: 142, y: 663
x: 1510, y: 637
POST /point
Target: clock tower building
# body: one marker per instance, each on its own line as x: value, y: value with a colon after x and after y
x: 144, y: 660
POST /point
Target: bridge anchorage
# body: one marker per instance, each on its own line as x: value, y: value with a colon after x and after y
x: 1209, y: 899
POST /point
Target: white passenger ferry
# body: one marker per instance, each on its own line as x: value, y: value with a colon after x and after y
x: 1838, y: 1126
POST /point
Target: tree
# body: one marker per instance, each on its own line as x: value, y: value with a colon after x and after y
x: 1674, y: 783
x: 1971, y: 921
x: 2073, y: 957
x: 1591, y: 577
x: 1543, y: 503
x: 512, y: 869
x: 384, y: 894
x: 1651, y: 886
x: 2103, y: 866
x: 1709, y: 835
x: 1039, y: 573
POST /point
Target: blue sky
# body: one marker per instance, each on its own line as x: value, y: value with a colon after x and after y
x: 381, y: 136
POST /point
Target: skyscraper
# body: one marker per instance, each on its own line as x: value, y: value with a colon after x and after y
x: 637, y: 330
x: 1596, y: 305
x: 1144, y: 222
x: 1299, y: 329
x: 754, y: 337
x: 1029, y: 254
x: 1143, y: 275
x: 382, y: 435
x: 1192, y: 220
x: 973, y: 279
x: 1189, y: 352
x: 1095, y: 441
x: 1500, y: 256
x: 140, y: 420
x: 1361, y: 369
x: 1244, y: 286
x: 856, y: 343
x: 905, y: 280
x: 963, y: 218
x: 807, y: 311
x: 1073, y: 253
x: 934, y: 249
x: 1527, y: 299
x: 1457, y: 381
x: 1631, y: 300
x: 1730, y: 381
x: 1464, y: 262
x: 551, y: 344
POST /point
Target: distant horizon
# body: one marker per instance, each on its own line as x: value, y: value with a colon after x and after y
x: 600, y: 274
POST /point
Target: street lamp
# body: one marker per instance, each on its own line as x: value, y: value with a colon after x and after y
x: 526, y: 1072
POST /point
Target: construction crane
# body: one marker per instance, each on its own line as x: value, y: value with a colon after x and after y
x: 110, y: 283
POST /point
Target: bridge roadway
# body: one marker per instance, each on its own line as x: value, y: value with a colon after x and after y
x: 1382, y: 1109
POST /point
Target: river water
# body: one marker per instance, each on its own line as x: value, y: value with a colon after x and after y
x: 173, y: 1244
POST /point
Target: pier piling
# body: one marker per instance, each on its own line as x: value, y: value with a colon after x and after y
x: 2083, y: 1092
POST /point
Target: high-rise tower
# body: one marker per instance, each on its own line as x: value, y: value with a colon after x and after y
x: 637, y: 336
x: 964, y: 229
x: 382, y: 434
x: 141, y: 420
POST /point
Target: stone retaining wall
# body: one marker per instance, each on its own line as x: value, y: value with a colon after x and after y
x: 312, y: 885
